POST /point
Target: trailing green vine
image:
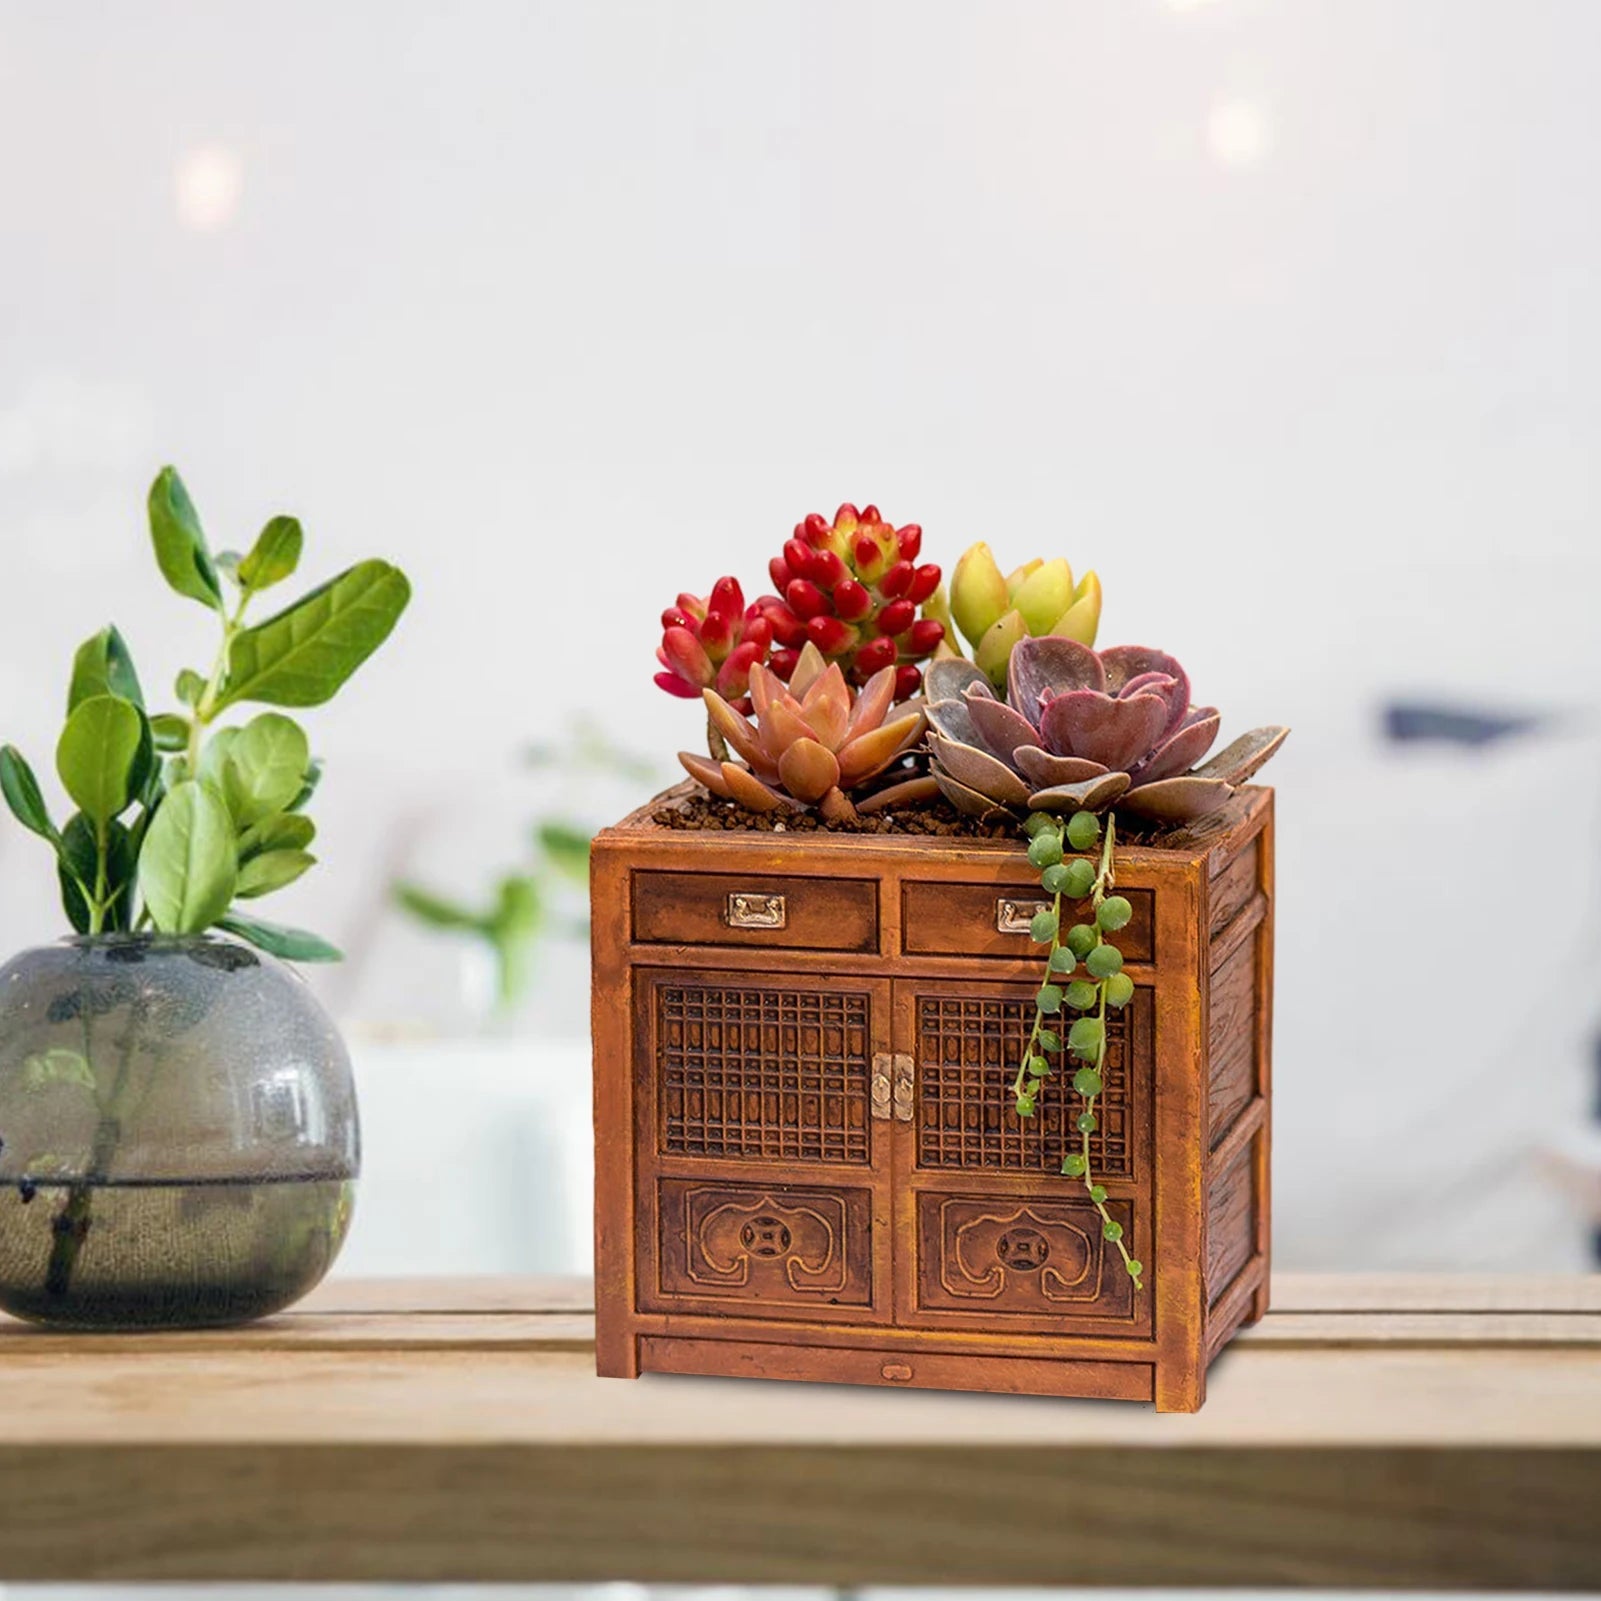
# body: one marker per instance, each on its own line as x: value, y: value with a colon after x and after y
x: 1104, y: 985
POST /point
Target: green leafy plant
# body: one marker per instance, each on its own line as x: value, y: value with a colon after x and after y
x: 181, y: 815
x: 1083, y: 974
x: 522, y: 910
x: 517, y: 914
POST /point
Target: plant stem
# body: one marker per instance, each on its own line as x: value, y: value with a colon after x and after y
x: 206, y: 707
x: 97, y: 902
x: 70, y: 1226
x: 1020, y: 1085
x: 1105, y: 880
x: 1025, y: 1088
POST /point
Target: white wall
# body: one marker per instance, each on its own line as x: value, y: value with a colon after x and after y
x: 1280, y: 312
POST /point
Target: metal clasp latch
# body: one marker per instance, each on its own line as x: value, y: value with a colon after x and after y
x: 905, y: 1078
x: 882, y: 1062
x: 756, y: 911
x: 893, y: 1079
x: 1014, y: 917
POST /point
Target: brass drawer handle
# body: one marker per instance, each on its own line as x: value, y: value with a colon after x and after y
x: 756, y: 911
x: 893, y: 1081
x: 1014, y: 917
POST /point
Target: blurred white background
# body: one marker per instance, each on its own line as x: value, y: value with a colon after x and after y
x: 1281, y: 313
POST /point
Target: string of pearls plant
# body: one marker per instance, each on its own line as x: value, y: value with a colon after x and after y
x: 1103, y: 984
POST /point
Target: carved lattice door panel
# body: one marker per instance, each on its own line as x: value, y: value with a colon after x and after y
x: 990, y: 1233
x: 763, y: 1141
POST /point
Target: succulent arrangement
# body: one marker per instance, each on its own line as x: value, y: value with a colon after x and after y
x: 182, y: 815
x: 1037, y: 600
x: 825, y: 698
x: 814, y: 742
x: 1078, y: 730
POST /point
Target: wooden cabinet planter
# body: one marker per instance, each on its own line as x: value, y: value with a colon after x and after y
x: 807, y: 1161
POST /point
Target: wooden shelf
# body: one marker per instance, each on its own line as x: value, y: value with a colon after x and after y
x: 1395, y: 1432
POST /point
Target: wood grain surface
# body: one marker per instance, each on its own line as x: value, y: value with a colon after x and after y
x: 1371, y: 1431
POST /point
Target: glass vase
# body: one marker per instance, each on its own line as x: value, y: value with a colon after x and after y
x: 178, y: 1134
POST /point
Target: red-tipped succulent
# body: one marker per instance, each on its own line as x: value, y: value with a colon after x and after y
x: 854, y: 588
x: 1079, y: 730
x: 713, y: 644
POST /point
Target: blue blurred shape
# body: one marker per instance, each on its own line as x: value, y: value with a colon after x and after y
x: 1414, y: 722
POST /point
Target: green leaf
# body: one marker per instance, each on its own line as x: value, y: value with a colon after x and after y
x: 187, y: 868
x: 436, y: 911
x: 273, y: 557
x: 265, y: 768
x: 189, y: 687
x: 170, y: 732
x: 103, y: 666
x: 58, y: 1066
x: 519, y: 908
x: 21, y: 790
x: 275, y: 870
x: 77, y: 870
x: 181, y: 549
x: 214, y: 757
x: 289, y: 944
x: 568, y: 847
x: 302, y: 656
x: 98, y: 754
x: 282, y: 833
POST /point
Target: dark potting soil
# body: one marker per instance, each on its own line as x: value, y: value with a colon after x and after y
x: 696, y: 813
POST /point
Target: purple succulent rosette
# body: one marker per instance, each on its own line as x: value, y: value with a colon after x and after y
x: 1081, y: 729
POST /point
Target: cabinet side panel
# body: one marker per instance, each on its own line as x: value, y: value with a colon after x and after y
x: 1264, y: 1067
x: 1178, y: 1277
x: 1239, y: 1044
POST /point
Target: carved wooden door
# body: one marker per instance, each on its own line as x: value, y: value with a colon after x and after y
x: 763, y: 1143
x: 990, y: 1234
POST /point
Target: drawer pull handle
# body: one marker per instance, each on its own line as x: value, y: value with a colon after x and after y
x: 756, y: 911
x: 1014, y: 917
x: 897, y: 1372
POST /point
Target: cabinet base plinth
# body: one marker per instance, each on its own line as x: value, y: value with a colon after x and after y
x: 901, y: 1369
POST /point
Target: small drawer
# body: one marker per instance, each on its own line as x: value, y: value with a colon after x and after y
x: 992, y: 920
x: 793, y: 913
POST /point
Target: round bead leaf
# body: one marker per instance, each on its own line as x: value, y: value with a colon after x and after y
x: 99, y: 749
x: 1114, y: 913
x: 187, y: 869
x: 1079, y: 878
x: 1104, y: 961
x: 1083, y: 830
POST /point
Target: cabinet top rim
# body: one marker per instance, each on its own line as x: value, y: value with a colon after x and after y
x: 1226, y: 830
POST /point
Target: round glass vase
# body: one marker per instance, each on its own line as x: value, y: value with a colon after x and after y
x: 178, y: 1134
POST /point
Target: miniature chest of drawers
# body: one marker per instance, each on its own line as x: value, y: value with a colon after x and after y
x: 808, y: 1164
